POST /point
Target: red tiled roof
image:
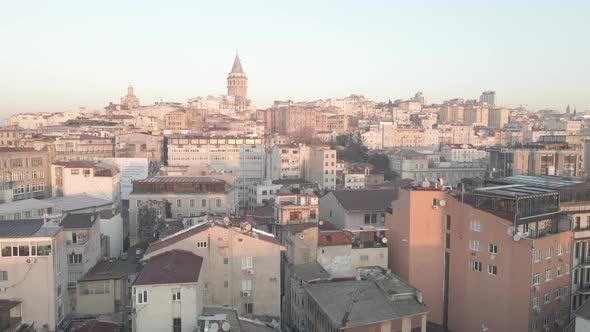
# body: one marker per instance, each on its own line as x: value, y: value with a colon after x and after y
x: 171, y: 267
x: 338, y: 238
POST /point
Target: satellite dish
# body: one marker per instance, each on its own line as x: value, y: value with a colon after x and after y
x: 226, y: 220
x: 442, y: 202
x: 225, y: 326
x: 302, y: 236
x: 517, y: 237
x: 321, y: 222
x: 384, y: 240
x: 214, y: 327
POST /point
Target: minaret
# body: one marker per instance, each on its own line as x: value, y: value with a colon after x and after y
x: 237, y: 82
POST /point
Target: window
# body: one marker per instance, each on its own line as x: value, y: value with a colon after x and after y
x: 537, y: 255
x: 547, y: 298
x: 249, y: 308
x: 448, y: 222
x: 567, y: 269
x: 3, y: 275
x: 548, y: 274
x: 475, y: 245
x: 176, y: 294
x: 247, y: 262
x: 493, y: 249
x: 536, y: 278
x: 142, y: 296
x: 218, y: 203
x: 558, y: 293
x: 86, y: 172
x: 201, y: 244
x: 476, y: 226
x: 246, y: 285
x: 476, y: 266
x: 203, y: 203
x: 493, y: 270
x: 559, y: 271
x: 559, y: 250
x: 447, y: 240
x: 225, y: 284
x: 179, y: 203
x: 225, y: 260
x: 549, y: 253
x: 364, y: 258
x: 535, y: 302
x: 192, y: 203
x: 74, y: 259
x: 176, y: 325
x: 74, y: 171
x: 546, y: 321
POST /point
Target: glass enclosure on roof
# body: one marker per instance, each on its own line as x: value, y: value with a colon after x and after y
x: 528, y: 206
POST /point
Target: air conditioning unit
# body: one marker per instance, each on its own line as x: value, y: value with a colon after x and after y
x: 3, y: 289
x: 249, y: 271
x: 246, y: 293
x: 536, y: 288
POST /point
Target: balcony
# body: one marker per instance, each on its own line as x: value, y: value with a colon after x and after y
x: 583, y: 261
x: 584, y: 289
x: 368, y: 244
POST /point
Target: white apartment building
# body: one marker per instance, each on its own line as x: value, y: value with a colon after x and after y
x: 286, y: 161
x: 354, y: 181
x: 86, y: 177
x: 242, y: 156
x: 168, y: 293
x: 33, y: 272
x: 462, y: 153
x: 259, y: 194
x: 82, y: 246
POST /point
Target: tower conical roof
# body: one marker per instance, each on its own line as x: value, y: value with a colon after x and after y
x: 237, y: 67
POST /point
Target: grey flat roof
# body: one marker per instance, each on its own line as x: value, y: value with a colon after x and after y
x: 311, y: 271
x: 77, y: 202
x: 514, y: 190
x: 26, y: 228
x: 584, y: 310
x: 370, y: 304
x: 24, y: 205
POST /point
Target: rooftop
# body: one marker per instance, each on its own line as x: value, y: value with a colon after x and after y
x: 366, y: 199
x: 78, y: 220
x: 179, y: 179
x: 106, y: 270
x: 376, y: 297
x: 514, y: 191
x: 26, y: 228
x: 584, y: 310
x: 541, y: 181
x: 78, y: 202
x: 311, y: 271
x: 24, y: 205
x: 171, y: 267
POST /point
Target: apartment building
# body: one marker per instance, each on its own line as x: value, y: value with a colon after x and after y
x: 536, y: 159
x: 295, y: 208
x: 86, y: 177
x: 11, y: 136
x: 168, y: 293
x: 33, y: 273
x: 241, y: 265
x: 84, y: 147
x: 321, y: 168
x: 24, y: 173
x: 475, y: 114
x: 242, y: 156
x: 498, y: 117
x: 502, y: 247
x: 82, y: 247
x: 462, y: 153
x: 179, y: 197
x: 139, y: 145
x: 286, y: 161
x: 292, y: 120
x: 262, y: 194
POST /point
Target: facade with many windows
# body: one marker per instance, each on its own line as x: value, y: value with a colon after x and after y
x: 24, y: 173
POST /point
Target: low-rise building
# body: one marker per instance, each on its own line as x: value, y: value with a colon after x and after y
x: 168, y: 293
x: 262, y: 194
x: 24, y: 173
x: 84, y: 147
x: 241, y: 265
x: 33, y: 273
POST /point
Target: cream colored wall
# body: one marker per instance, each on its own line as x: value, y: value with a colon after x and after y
x: 95, y: 304
x: 266, y: 269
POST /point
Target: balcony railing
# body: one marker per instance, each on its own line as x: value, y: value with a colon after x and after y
x: 369, y: 244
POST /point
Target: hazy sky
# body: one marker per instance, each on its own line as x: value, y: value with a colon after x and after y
x: 59, y: 55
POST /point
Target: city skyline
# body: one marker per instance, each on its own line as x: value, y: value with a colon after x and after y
x: 82, y: 55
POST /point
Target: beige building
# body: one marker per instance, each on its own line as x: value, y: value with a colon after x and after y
x: 130, y: 101
x: 498, y: 117
x: 103, y: 291
x: 241, y: 265
x: 11, y: 136
x: 286, y: 161
x: 321, y: 168
x: 475, y: 114
x: 84, y: 147
x: 33, y: 273
x: 24, y: 173
x: 139, y: 145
